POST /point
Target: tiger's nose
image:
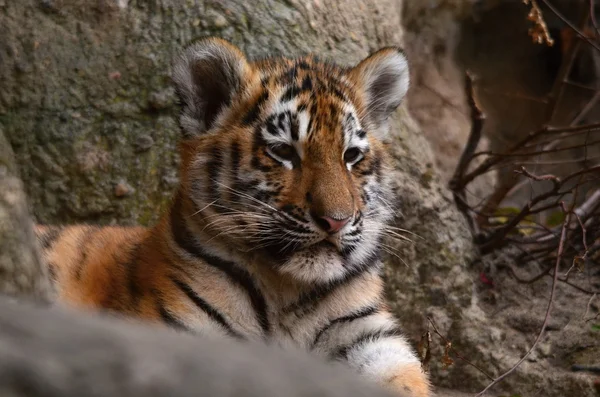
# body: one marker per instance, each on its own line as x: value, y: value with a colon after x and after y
x: 331, y: 225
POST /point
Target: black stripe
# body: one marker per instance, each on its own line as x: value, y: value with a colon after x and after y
x: 84, y: 245
x: 254, y: 112
x: 338, y: 94
x: 48, y: 238
x: 362, y: 313
x: 237, y: 275
x: 307, y: 84
x: 342, y: 351
x: 307, y: 301
x: 357, y: 219
x: 303, y: 65
x: 170, y: 320
x: 235, y: 157
x: 289, y: 94
x: 271, y: 127
x: 373, y: 167
x: 348, y: 250
x: 289, y: 76
x: 131, y: 267
x: 294, y: 126
x: 205, y: 307
x: 258, y: 143
x: 214, y: 171
x: 52, y: 271
x: 302, y: 107
x: 355, y: 232
x: 165, y: 316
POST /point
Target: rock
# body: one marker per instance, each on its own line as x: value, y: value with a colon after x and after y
x: 63, y: 353
x: 162, y: 100
x: 21, y: 270
x: 544, y: 349
x: 122, y: 189
x: 143, y: 143
x: 220, y: 21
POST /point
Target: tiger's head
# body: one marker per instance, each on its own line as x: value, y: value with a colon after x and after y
x: 287, y: 157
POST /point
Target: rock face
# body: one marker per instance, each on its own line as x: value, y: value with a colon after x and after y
x: 86, y: 99
x: 21, y: 271
x: 88, y: 108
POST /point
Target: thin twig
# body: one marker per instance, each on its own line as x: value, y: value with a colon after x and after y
x: 537, y: 152
x: 563, y: 73
x: 477, y: 119
x: 587, y: 307
x: 593, y: 16
x: 586, y: 109
x: 565, y: 20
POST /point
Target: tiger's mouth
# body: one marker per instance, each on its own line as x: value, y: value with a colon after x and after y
x: 283, y: 249
x: 326, y: 243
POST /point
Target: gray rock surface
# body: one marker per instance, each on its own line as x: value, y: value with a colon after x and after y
x: 62, y: 353
x: 21, y: 271
x: 86, y: 100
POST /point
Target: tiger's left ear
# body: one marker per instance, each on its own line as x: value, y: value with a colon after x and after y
x: 383, y: 77
x: 208, y: 76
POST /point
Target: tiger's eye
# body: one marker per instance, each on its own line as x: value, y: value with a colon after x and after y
x: 283, y: 152
x: 352, y: 155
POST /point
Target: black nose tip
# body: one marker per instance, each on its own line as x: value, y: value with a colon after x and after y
x: 331, y: 225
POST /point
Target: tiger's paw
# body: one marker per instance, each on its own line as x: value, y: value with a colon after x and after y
x: 409, y: 381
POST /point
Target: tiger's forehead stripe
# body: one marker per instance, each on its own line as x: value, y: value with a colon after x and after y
x: 284, y: 80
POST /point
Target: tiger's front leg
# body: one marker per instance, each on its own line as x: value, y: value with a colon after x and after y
x: 373, y: 347
x: 390, y: 362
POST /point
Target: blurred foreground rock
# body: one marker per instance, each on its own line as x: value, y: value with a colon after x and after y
x: 63, y: 353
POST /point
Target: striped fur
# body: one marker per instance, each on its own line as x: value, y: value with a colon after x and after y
x: 274, y: 231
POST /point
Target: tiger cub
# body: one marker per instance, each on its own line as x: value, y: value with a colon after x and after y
x: 274, y: 231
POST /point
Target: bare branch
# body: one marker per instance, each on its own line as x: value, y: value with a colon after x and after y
x: 566, y: 21
x: 477, y: 119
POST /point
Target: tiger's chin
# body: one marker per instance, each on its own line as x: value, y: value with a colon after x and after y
x: 321, y: 263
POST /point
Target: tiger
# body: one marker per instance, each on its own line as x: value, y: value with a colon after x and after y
x: 274, y: 231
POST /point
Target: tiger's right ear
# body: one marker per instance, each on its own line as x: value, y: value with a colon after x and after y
x: 207, y: 77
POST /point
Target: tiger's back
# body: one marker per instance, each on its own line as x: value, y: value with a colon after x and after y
x: 93, y: 266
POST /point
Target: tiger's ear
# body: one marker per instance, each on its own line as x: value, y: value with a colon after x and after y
x: 207, y: 76
x: 383, y: 77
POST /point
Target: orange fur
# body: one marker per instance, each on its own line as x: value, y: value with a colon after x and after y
x: 410, y: 380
